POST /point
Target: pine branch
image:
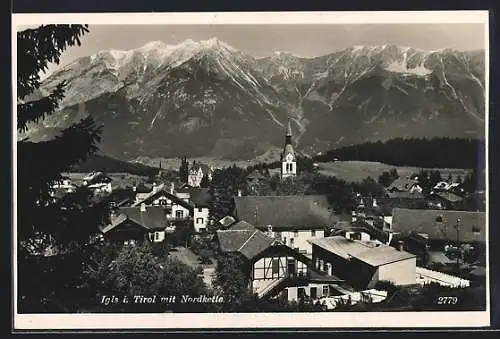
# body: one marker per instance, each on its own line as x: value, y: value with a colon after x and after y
x: 34, y: 111
x: 36, y: 48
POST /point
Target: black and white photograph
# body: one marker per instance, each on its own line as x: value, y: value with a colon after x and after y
x: 231, y: 170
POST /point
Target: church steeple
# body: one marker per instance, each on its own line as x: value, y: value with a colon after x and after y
x: 288, y: 160
x: 288, y: 136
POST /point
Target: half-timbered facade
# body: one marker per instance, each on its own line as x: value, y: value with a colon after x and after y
x: 273, y: 268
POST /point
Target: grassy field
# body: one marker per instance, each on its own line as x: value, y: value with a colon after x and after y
x: 347, y: 170
x: 359, y: 170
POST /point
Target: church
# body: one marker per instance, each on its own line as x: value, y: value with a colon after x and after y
x: 288, y: 158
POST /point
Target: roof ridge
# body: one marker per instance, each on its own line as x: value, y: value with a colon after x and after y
x: 239, y: 249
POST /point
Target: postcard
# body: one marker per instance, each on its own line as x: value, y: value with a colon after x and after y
x: 251, y: 170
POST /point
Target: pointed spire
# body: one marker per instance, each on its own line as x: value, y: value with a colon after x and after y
x: 289, y: 128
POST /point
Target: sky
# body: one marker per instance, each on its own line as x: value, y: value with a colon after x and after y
x: 305, y: 40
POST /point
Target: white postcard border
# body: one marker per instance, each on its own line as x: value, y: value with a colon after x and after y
x: 350, y: 320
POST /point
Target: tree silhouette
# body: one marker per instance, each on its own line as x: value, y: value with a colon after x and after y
x: 65, y: 226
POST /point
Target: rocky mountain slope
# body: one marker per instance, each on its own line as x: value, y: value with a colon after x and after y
x: 207, y: 98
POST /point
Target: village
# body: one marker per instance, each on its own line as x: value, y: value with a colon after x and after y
x: 295, y: 246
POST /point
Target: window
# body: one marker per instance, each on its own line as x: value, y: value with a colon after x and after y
x: 291, y: 242
x: 200, y: 209
x: 179, y: 214
x: 157, y: 236
x: 301, y: 292
x: 476, y: 229
x: 199, y: 220
x: 276, y: 266
x: 163, y: 202
x: 314, y: 292
x: 313, y: 233
x: 296, y: 234
x: 439, y: 218
x: 326, y: 291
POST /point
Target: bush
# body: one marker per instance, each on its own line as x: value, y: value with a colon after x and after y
x: 205, y: 256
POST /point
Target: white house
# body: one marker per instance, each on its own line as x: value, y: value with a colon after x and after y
x: 292, y: 219
x: 185, y: 203
x: 197, y: 172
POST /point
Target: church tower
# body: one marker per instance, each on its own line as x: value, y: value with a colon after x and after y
x: 288, y: 159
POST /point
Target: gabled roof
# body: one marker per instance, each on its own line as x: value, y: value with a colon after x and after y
x: 153, y: 218
x: 118, y: 219
x: 286, y: 212
x: 162, y: 191
x: 248, y: 242
x: 373, y: 253
x: 402, y: 184
x: 439, y: 224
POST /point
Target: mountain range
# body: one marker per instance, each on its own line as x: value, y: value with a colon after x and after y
x: 207, y: 98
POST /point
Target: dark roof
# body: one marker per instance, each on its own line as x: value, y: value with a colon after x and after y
x: 117, y: 220
x: 371, y: 252
x: 402, y: 184
x: 439, y: 224
x: 256, y: 175
x: 248, y: 242
x: 448, y: 196
x: 405, y: 195
x: 286, y: 212
x: 153, y: 218
x: 241, y: 225
x: 199, y: 196
x: 373, y: 231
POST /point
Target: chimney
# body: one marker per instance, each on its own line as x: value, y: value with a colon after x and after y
x: 401, y: 245
x: 172, y: 188
x: 239, y: 193
x: 270, y: 231
x: 143, y: 207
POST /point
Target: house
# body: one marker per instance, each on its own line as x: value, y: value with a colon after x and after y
x: 445, y: 200
x: 272, y: 267
x: 441, y: 224
x: 422, y: 231
x: 363, y: 263
x: 293, y: 219
x: 98, y: 182
x: 254, y: 179
x: 187, y: 202
x: 136, y: 224
x: 405, y: 185
x: 197, y: 172
x: 361, y: 230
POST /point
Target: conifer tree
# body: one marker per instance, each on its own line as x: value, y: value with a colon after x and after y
x: 66, y: 225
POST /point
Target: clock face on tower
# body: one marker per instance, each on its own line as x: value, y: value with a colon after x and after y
x: 289, y: 158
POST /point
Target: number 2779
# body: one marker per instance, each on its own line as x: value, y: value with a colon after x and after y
x: 447, y: 300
